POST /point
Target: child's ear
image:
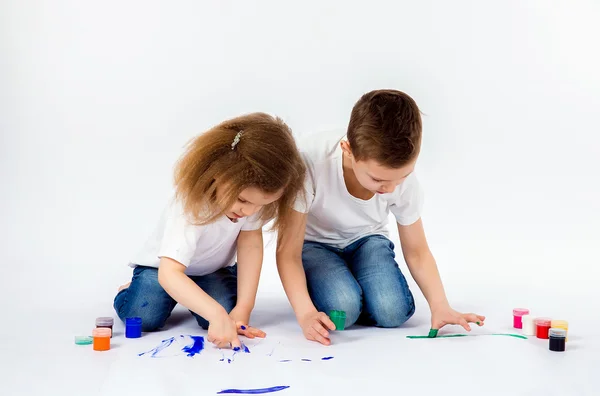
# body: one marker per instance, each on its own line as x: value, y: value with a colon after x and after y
x: 346, y: 148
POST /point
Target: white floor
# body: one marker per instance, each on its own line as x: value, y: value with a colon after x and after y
x: 39, y: 356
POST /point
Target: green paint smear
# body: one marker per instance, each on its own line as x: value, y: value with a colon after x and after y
x: 467, y: 335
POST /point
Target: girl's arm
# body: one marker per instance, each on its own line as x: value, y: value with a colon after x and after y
x: 172, y: 278
x: 249, y: 265
x: 289, y: 264
x: 423, y: 268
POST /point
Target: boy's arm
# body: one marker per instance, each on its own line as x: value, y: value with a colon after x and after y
x: 423, y: 269
x: 249, y: 265
x: 293, y: 278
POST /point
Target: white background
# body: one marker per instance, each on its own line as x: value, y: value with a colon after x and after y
x: 97, y: 100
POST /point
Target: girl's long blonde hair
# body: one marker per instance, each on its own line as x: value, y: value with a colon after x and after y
x: 264, y: 157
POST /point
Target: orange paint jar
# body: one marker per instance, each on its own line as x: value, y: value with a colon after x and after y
x: 101, y: 337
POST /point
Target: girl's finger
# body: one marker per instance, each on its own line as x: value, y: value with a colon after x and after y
x: 246, y: 333
x: 257, y: 332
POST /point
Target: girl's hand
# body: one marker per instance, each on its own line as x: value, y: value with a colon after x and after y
x: 241, y: 317
x: 445, y: 315
x: 314, y: 326
x: 223, y: 332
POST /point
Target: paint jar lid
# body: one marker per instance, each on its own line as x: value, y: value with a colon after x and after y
x: 105, y: 321
x: 101, y: 332
x: 520, y: 311
x: 83, y: 340
x: 543, y: 321
x: 133, y: 321
x: 560, y: 324
x: 528, y: 318
x: 337, y: 314
x: 560, y: 333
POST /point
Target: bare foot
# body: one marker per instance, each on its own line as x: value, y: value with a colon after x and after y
x: 125, y: 286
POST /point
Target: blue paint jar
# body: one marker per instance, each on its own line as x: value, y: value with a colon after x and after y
x: 133, y: 327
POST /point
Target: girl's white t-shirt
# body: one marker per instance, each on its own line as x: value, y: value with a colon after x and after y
x: 337, y: 218
x: 202, y: 249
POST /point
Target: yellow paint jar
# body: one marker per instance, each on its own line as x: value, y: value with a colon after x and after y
x: 561, y: 324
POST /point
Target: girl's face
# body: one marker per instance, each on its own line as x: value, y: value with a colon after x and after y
x: 250, y: 201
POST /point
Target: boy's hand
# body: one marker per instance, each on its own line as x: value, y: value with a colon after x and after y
x: 241, y: 318
x: 445, y: 315
x: 314, y: 326
x: 223, y: 332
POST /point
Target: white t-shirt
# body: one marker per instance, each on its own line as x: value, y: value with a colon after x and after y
x: 202, y: 249
x: 337, y: 218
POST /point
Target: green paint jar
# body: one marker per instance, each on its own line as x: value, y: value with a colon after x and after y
x: 338, y: 318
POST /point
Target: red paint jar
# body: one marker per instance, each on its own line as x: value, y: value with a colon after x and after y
x: 542, y: 326
x: 517, y: 317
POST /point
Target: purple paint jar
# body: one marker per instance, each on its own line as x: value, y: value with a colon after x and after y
x: 105, y: 322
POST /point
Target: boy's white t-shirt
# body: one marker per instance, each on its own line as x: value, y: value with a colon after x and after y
x: 337, y: 218
x: 202, y: 249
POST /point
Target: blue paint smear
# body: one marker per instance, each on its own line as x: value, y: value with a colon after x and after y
x: 306, y: 360
x: 327, y: 358
x: 145, y: 304
x: 236, y: 350
x: 283, y: 361
x: 253, y: 391
x: 164, y: 344
x: 196, y: 347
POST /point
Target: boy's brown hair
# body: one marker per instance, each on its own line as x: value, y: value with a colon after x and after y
x: 265, y: 157
x: 385, y: 126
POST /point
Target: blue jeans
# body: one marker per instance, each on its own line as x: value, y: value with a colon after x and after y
x: 362, y: 279
x: 145, y: 297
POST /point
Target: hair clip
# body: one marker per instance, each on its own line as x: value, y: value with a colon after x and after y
x: 236, y: 139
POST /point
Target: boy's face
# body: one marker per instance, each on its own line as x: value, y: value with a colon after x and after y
x: 377, y: 178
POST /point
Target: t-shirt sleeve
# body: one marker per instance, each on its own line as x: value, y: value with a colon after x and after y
x: 407, y: 202
x: 305, y: 198
x: 253, y: 223
x: 180, y: 235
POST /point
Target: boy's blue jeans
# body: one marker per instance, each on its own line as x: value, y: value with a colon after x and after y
x: 362, y: 279
x: 145, y: 297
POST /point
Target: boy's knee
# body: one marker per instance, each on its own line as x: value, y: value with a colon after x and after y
x: 393, y: 312
x: 349, y: 302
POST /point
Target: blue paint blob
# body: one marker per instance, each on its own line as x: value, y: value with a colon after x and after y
x: 246, y: 350
x: 144, y: 304
x: 164, y: 344
x: 196, y: 347
x: 243, y: 327
x: 236, y: 349
x: 306, y: 360
x: 327, y: 358
x: 253, y: 391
